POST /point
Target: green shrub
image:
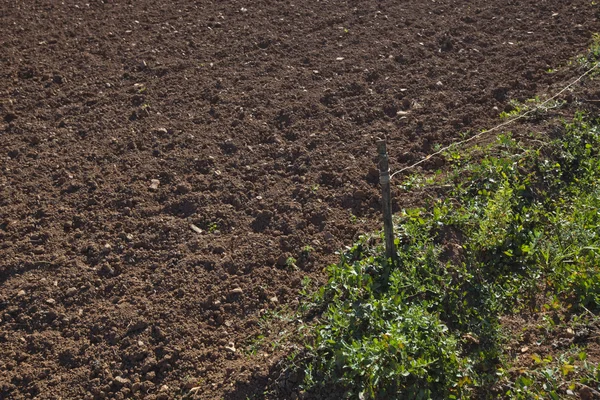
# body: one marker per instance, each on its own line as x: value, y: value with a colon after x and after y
x: 521, y: 222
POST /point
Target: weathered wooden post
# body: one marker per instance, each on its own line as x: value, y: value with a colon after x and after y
x: 384, y: 180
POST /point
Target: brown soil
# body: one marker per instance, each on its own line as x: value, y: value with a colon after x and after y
x: 122, y: 123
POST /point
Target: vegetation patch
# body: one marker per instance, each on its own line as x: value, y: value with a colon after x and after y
x: 500, y: 262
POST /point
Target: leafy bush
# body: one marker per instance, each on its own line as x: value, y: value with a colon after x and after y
x: 519, y: 226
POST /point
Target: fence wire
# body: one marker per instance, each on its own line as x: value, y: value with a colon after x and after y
x: 510, y: 121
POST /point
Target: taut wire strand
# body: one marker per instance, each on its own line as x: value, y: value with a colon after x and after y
x: 498, y: 126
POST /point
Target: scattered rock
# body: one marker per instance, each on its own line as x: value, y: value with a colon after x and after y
x: 120, y: 381
x: 21, y: 293
x: 195, y: 389
x: 237, y: 291
x: 195, y: 228
x: 154, y: 184
x: 231, y: 347
x: 71, y: 291
x: 51, y: 301
x: 570, y: 333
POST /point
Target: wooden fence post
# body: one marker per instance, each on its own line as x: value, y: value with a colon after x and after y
x: 384, y: 180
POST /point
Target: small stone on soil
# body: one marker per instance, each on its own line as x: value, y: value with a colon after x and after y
x: 237, y: 290
x: 195, y: 228
x: 570, y: 333
x: 122, y: 381
x: 50, y: 301
x: 231, y: 348
x: 154, y: 183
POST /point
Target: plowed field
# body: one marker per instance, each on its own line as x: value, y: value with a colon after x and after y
x: 171, y: 170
